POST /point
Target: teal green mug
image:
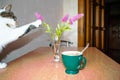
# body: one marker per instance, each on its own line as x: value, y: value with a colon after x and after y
x: 73, y: 61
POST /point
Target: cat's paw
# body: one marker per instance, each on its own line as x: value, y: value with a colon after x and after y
x: 3, y: 65
x: 37, y: 23
x: 30, y: 28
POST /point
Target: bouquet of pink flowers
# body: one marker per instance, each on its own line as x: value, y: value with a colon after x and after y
x: 65, y: 25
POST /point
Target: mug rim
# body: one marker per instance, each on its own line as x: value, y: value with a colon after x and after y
x: 63, y: 53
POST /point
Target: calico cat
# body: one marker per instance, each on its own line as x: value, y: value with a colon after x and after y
x: 10, y: 31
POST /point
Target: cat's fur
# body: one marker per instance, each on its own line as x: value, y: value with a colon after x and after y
x: 9, y: 31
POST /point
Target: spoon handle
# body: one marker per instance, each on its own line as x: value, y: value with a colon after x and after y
x: 85, y: 47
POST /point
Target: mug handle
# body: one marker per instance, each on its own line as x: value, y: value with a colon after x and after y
x: 83, y: 63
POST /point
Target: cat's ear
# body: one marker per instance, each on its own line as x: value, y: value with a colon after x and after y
x: 8, y: 8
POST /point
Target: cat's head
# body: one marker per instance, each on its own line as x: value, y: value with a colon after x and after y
x: 7, y: 17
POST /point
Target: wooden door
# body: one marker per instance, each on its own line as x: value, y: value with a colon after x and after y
x: 91, y: 27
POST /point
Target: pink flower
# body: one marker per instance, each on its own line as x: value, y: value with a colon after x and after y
x: 39, y: 16
x: 65, y: 18
x: 76, y: 17
x: 71, y: 21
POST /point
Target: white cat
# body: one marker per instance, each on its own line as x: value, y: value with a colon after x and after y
x: 9, y: 31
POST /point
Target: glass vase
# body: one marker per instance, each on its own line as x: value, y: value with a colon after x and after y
x: 56, y: 51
